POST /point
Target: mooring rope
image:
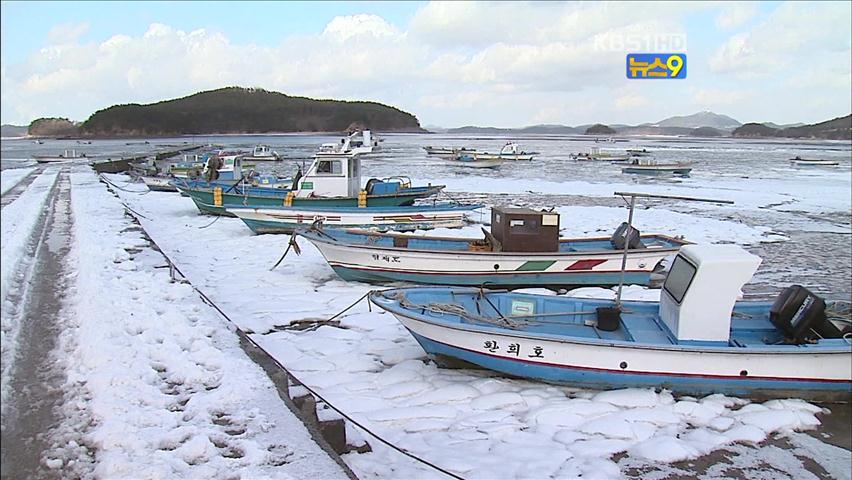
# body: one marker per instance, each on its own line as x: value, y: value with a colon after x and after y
x: 138, y: 192
x: 295, y: 379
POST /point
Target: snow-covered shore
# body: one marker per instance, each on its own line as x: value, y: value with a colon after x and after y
x: 474, y: 423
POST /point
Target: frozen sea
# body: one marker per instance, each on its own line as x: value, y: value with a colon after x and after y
x: 149, y: 372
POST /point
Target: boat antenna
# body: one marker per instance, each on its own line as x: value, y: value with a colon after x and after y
x: 633, y: 196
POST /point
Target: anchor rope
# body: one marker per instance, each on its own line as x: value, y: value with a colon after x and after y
x: 295, y: 379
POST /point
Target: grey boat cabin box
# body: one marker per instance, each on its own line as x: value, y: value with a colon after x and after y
x: 525, y: 230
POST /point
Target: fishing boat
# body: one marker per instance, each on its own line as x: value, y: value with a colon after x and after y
x: 357, y: 142
x: 330, y: 181
x: 287, y: 219
x: 159, y: 184
x: 64, y: 156
x: 635, y: 152
x: 446, y: 150
x: 475, y: 160
x: 804, y: 162
x: 596, y: 154
x: 263, y: 153
x: 510, y: 151
x: 523, y: 249
x: 697, y: 340
x: 648, y: 166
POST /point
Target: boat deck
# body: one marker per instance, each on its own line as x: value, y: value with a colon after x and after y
x: 579, y: 245
x: 567, y: 318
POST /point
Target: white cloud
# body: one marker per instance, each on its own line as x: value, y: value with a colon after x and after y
x: 503, y: 64
x: 794, y: 36
x: 67, y: 32
x: 713, y: 98
x: 736, y: 14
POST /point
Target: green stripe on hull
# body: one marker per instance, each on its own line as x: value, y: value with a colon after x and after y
x: 535, y: 265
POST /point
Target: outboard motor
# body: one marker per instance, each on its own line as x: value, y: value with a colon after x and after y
x: 797, y: 312
x: 622, y: 236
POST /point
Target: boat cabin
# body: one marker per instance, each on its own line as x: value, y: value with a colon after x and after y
x: 700, y: 290
x: 336, y: 175
x: 511, y: 148
x: 263, y: 151
x: 229, y: 166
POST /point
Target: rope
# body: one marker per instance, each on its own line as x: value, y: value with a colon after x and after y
x: 291, y: 243
x: 295, y: 379
x: 211, y: 223
x: 138, y: 192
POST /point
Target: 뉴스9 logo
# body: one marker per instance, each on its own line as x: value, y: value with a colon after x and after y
x: 656, y: 65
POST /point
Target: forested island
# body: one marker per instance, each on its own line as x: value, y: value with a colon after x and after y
x: 234, y: 110
x: 839, y: 128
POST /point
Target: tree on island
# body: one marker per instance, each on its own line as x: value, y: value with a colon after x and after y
x: 599, y: 129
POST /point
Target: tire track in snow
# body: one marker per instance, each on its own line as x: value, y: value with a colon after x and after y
x: 23, y: 184
x: 31, y: 378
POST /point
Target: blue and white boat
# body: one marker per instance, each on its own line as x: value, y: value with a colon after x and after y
x: 405, y: 218
x: 696, y: 340
x: 357, y: 255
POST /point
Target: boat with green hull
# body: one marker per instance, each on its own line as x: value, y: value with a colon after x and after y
x: 206, y: 200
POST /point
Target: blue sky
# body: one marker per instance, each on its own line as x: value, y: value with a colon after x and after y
x: 26, y: 24
x: 451, y: 64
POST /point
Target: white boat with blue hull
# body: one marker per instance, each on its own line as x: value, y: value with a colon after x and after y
x: 287, y: 219
x: 696, y: 340
x: 364, y: 256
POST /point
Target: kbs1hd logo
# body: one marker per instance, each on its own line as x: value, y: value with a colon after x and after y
x: 656, y: 65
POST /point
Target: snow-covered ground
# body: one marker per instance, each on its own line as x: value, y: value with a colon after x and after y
x: 156, y: 384
x: 11, y: 176
x: 17, y: 223
x: 158, y: 387
x: 473, y: 423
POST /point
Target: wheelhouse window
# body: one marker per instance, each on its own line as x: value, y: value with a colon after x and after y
x: 679, y: 278
x: 329, y: 167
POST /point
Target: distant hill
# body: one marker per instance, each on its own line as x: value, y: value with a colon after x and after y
x: 839, y: 128
x: 706, y: 132
x: 701, y: 119
x: 599, y: 129
x: 775, y: 125
x: 754, y: 130
x: 53, y: 127
x: 11, y: 131
x: 482, y: 130
x: 245, y: 110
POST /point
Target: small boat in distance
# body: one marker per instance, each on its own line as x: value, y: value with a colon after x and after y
x: 635, y: 152
x: 510, y: 151
x: 595, y: 154
x: 804, y: 162
x: 647, y: 166
x: 66, y: 155
x: 263, y: 153
x: 696, y: 340
x: 447, y: 151
x: 475, y: 160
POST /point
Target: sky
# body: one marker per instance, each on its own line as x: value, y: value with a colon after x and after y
x: 505, y: 64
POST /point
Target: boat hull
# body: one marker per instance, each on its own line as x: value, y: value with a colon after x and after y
x: 371, y: 264
x: 470, y: 162
x: 205, y: 197
x: 159, y: 184
x: 807, y: 371
x: 286, y: 220
x: 656, y: 170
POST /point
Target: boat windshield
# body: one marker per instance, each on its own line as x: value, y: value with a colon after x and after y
x: 679, y: 278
